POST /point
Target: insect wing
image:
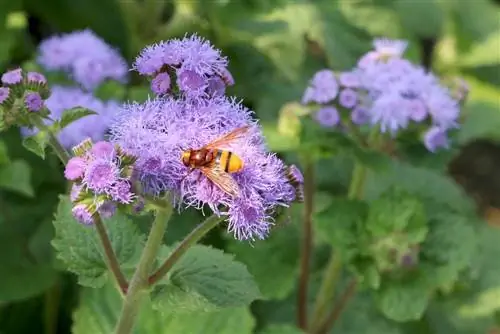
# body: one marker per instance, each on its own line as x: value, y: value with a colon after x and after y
x: 222, y: 180
x: 228, y: 138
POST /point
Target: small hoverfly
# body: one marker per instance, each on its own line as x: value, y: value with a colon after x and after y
x: 215, y: 163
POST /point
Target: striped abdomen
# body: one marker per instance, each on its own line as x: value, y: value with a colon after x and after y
x: 227, y: 160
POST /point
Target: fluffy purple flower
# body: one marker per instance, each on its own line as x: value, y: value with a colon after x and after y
x: 33, y: 101
x: 388, y: 113
x: 121, y: 192
x: 161, y: 83
x: 348, y: 98
x: 107, y: 209
x: 4, y: 94
x: 103, y: 149
x: 36, y: 77
x: 92, y: 126
x: 435, y: 138
x: 159, y: 130
x: 349, y: 79
x: 82, y: 214
x: 84, y: 56
x: 76, y: 191
x: 384, y: 49
x: 327, y: 116
x: 216, y: 86
x: 194, y: 60
x: 75, y: 168
x: 322, y: 88
x: 12, y: 77
x: 101, y: 174
x: 360, y: 115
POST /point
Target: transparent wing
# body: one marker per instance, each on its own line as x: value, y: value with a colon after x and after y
x: 228, y: 138
x: 222, y: 180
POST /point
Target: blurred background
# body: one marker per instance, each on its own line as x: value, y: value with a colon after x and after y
x: 274, y: 47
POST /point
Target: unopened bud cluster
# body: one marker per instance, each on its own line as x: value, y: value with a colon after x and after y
x: 22, y: 95
x: 102, y: 180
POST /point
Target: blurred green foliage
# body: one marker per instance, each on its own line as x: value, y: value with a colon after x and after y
x: 274, y: 47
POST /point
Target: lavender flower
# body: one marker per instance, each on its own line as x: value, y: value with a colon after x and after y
x: 12, y: 77
x: 348, y: 98
x: 161, y: 83
x: 93, y: 126
x: 33, y: 101
x: 384, y: 49
x: 159, y: 130
x: 360, y: 115
x: 84, y: 56
x: 194, y: 60
x: 322, y: 89
x: 35, y: 77
x: 82, y: 214
x: 107, y: 209
x: 349, y: 79
x: 4, y: 94
x: 435, y: 138
x: 327, y: 116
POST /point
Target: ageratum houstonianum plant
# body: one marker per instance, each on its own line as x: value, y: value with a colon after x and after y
x: 126, y: 161
x: 138, y: 167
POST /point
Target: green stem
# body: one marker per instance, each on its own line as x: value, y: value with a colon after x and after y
x: 109, y: 254
x: 332, y: 272
x: 139, y: 281
x: 306, y: 245
x: 53, y: 142
x: 191, y: 239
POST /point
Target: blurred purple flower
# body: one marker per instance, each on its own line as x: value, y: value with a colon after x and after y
x: 107, y: 209
x: 327, y: 116
x: 161, y: 83
x: 194, y: 60
x: 349, y: 79
x: 385, y: 49
x: 322, y: 88
x: 360, y: 115
x: 158, y: 131
x: 82, y: 214
x: 75, y: 168
x: 87, y: 58
x: 92, y: 126
x: 4, y: 94
x: 12, y: 77
x: 435, y: 138
x: 36, y: 77
x: 348, y: 98
x: 33, y: 101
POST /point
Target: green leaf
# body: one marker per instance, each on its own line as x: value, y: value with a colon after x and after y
x: 483, y: 53
x: 98, y: 312
x: 340, y: 222
x: 80, y: 249
x: 272, y: 262
x: 211, y: 275
x: 482, y: 122
x: 281, y: 329
x: 37, y: 143
x: 70, y: 115
x: 278, y: 142
x: 404, y: 301
x: 4, y: 153
x: 16, y: 176
x: 425, y: 19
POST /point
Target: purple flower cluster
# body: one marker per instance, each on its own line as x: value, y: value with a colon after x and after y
x: 160, y: 130
x: 84, y: 56
x: 92, y: 126
x: 388, y: 91
x: 192, y: 64
x: 101, y: 175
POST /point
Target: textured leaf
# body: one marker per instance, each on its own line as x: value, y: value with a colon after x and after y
x: 79, y: 247
x: 37, y: 143
x: 16, y: 176
x: 212, y: 276
x: 404, y: 301
x: 413, y: 13
x: 73, y: 114
x: 99, y: 308
x: 272, y: 262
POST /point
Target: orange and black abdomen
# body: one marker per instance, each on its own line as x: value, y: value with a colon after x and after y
x: 228, y: 161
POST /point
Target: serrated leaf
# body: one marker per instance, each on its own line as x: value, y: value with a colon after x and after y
x: 272, y: 262
x: 98, y: 313
x: 425, y: 19
x: 70, y: 115
x: 404, y: 301
x: 79, y: 247
x: 338, y: 224
x: 214, y: 276
x: 37, y: 143
x: 16, y: 176
x: 281, y: 329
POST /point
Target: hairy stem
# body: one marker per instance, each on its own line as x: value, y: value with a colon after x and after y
x: 139, y: 281
x: 110, y: 256
x: 53, y: 141
x: 347, y: 294
x: 332, y: 272
x: 306, y: 246
x: 191, y: 239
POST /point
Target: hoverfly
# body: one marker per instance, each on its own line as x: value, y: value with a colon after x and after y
x: 215, y: 163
